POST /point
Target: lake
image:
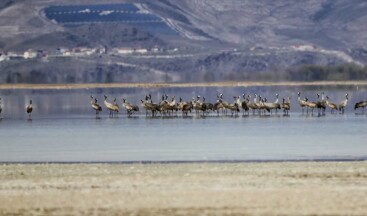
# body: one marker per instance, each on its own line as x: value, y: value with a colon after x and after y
x: 65, y: 129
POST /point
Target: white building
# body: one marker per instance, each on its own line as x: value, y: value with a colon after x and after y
x: 62, y: 50
x: 124, y: 50
x: 156, y: 50
x: 29, y: 54
x: 3, y: 57
x: 141, y: 51
x: 304, y: 47
x: 66, y: 53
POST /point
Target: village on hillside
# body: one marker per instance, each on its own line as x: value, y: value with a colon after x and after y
x: 80, y: 52
x: 122, y: 51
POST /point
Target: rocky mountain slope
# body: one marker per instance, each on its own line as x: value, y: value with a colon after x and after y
x: 216, y: 40
x: 333, y: 24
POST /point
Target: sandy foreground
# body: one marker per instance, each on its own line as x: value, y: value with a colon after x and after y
x: 288, y: 188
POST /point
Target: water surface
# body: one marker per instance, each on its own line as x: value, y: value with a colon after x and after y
x: 65, y: 129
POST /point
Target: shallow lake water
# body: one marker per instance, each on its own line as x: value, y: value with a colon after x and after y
x: 65, y: 129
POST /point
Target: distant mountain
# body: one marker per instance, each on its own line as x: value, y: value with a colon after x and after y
x: 332, y: 24
x: 213, y: 40
x: 92, y: 35
x: 6, y: 3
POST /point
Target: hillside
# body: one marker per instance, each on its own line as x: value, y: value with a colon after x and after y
x: 213, y: 40
x: 332, y: 24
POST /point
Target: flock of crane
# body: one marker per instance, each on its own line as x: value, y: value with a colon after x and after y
x: 199, y: 105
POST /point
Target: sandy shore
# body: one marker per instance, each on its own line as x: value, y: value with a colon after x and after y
x: 301, y: 188
x: 177, y: 85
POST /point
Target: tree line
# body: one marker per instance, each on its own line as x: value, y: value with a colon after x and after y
x: 307, y: 73
x: 326, y: 73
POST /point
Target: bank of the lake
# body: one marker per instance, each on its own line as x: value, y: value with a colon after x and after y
x: 286, y: 188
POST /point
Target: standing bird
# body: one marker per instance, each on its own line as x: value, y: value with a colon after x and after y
x: 311, y: 105
x: 29, y: 109
x: 331, y: 105
x: 286, y: 105
x: 262, y: 106
x: 224, y: 103
x: 130, y: 108
x: 275, y: 105
x: 150, y: 106
x: 180, y: 104
x: 218, y: 106
x: 198, y: 105
x: 252, y: 105
x: 95, y: 105
x: 115, y: 105
x: 234, y: 107
x: 111, y: 107
x: 167, y: 107
x: 209, y: 106
x: 321, y: 104
x: 186, y: 108
x: 302, y: 103
x: 1, y: 109
x: 343, y: 104
x: 361, y: 104
x: 244, y: 104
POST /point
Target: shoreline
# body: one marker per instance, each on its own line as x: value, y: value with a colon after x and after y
x: 176, y: 85
x: 179, y: 162
x: 277, y: 188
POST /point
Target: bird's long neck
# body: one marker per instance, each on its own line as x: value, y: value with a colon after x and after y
x: 107, y: 103
x: 238, y: 101
x: 299, y: 97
